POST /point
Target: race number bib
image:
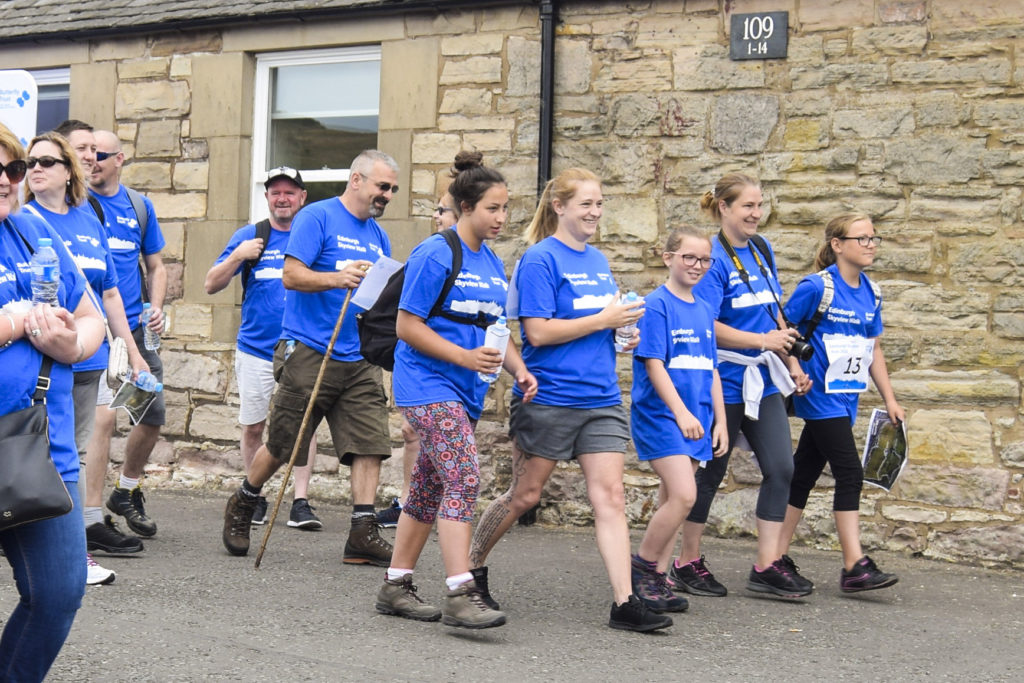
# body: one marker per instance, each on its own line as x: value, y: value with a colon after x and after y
x: 849, y: 359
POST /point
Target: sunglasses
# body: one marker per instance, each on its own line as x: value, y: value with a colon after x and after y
x: 383, y: 187
x: 15, y: 170
x: 441, y: 209
x: 103, y: 156
x: 45, y: 162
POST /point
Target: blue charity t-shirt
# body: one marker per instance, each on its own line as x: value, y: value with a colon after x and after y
x: 481, y: 287
x: 263, y: 304
x: 733, y: 304
x: 327, y: 237
x: 21, y: 361
x: 125, y: 240
x: 853, y: 316
x: 86, y: 239
x: 682, y: 335
x: 556, y: 281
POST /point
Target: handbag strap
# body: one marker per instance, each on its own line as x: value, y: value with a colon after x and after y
x: 43, y: 382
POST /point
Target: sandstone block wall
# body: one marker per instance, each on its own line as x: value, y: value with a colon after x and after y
x: 910, y: 110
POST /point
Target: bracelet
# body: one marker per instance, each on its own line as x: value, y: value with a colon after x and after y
x: 764, y: 339
x: 10, y: 341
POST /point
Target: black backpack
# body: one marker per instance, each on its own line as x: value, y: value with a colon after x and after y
x: 377, y: 335
x: 263, y: 233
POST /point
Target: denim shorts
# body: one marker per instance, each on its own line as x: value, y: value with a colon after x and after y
x: 560, y: 433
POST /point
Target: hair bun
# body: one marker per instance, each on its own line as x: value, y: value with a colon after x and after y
x: 465, y: 160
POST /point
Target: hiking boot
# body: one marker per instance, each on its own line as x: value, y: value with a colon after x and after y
x: 364, y: 544
x: 695, y: 578
x: 865, y: 576
x: 801, y: 581
x: 480, y: 579
x: 633, y: 615
x: 106, y: 537
x: 237, y: 518
x: 398, y: 597
x: 651, y: 587
x: 130, y: 505
x: 776, y: 579
x: 388, y: 517
x: 302, y: 516
x: 465, y: 607
x: 96, y: 575
x: 259, y: 515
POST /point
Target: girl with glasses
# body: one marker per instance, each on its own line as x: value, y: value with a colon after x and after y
x: 846, y: 354
x: 677, y: 417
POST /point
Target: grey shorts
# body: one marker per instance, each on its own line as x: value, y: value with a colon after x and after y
x: 559, y: 433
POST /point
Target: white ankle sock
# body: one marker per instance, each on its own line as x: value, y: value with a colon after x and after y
x: 394, y: 573
x: 127, y: 483
x: 454, y: 582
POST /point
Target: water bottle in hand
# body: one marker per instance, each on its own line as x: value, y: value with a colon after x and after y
x: 624, y: 334
x: 148, y: 382
x: 150, y: 339
x: 45, y: 268
x: 496, y: 338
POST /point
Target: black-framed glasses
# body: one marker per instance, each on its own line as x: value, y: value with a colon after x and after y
x: 865, y: 240
x: 441, y: 209
x: 103, y: 156
x: 45, y: 162
x: 15, y: 170
x: 690, y: 260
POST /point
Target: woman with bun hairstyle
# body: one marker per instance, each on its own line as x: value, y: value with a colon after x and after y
x: 743, y: 292
x: 568, y: 310
x: 846, y: 353
x: 439, y: 391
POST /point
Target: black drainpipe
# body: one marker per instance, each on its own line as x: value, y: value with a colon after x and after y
x: 548, y: 17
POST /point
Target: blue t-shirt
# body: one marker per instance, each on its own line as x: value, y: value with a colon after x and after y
x: 556, y: 281
x: 853, y: 313
x: 682, y: 334
x: 125, y: 240
x: 327, y: 237
x: 733, y: 304
x: 20, y: 362
x: 85, y: 238
x: 480, y: 288
x: 263, y: 304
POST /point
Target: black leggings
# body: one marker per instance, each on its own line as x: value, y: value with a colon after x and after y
x: 769, y: 437
x: 821, y: 441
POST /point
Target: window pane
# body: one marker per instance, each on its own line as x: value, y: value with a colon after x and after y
x: 312, y: 144
x: 317, y: 191
x: 52, y: 107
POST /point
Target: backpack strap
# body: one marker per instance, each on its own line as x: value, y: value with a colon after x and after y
x: 826, y: 301
x: 762, y: 246
x: 263, y: 233
x: 142, y: 216
x: 97, y: 209
x: 455, y: 244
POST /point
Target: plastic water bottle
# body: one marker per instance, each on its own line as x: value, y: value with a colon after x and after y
x: 150, y: 339
x: 496, y: 338
x: 624, y: 334
x: 148, y: 382
x: 45, y: 273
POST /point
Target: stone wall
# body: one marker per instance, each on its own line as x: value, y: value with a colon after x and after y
x: 909, y: 110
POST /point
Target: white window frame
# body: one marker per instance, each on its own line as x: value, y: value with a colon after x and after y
x: 261, y: 114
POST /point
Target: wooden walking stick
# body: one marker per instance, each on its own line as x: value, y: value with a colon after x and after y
x: 302, y: 428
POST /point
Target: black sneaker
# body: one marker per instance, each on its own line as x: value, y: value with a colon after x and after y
x: 802, y: 581
x: 650, y: 586
x: 302, y: 516
x: 106, y: 537
x: 237, y: 519
x: 634, y: 615
x: 131, y: 506
x: 776, y: 579
x: 480, y: 579
x: 388, y: 517
x: 865, y: 576
x: 260, y: 514
x: 695, y: 578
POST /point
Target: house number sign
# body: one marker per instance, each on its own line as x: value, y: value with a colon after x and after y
x: 764, y: 35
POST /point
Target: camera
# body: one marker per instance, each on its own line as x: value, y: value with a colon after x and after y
x: 801, y: 349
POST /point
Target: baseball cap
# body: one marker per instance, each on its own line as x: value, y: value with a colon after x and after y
x: 284, y: 172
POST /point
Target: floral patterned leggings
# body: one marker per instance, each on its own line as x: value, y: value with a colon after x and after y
x: 446, y: 477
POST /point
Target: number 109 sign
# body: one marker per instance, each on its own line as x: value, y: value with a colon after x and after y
x: 759, y: 36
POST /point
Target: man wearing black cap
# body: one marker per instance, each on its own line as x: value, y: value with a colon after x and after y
x: 256, y: 252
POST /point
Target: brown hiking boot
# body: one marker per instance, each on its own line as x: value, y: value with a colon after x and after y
x: 465, y: 607
x: 399, y: 598
x: 237, y: 518
x: 364, y: 544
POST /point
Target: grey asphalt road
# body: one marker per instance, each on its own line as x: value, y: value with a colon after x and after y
x: 186, y: 611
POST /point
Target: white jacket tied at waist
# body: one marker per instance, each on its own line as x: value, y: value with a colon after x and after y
x: 753, y: 382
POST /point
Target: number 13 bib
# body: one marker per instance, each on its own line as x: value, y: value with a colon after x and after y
x: 849, y: 360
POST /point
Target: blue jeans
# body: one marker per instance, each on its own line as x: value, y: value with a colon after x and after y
x: 48, y: 559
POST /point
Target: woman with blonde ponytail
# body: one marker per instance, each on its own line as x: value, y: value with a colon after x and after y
x: 568, y: 310
x: 846, y: 353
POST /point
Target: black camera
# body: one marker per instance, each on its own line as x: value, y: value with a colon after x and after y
x: 801, y: 349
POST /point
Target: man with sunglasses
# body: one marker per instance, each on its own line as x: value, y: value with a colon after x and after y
x: 132, y: 232
x: 332, y: 244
